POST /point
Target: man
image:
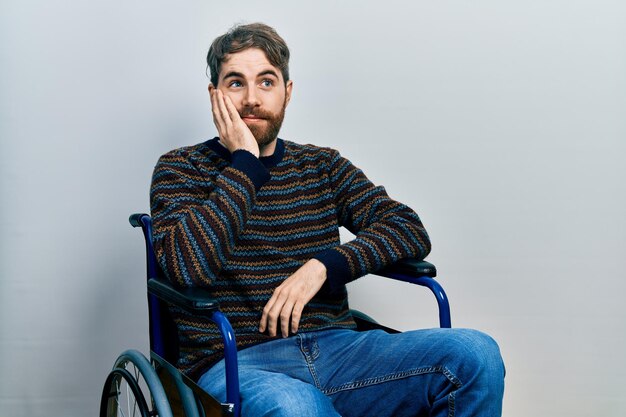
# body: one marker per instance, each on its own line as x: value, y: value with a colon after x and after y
x: 255, y: 218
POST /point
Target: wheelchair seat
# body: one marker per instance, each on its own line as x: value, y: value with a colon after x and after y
x: 138, y: 386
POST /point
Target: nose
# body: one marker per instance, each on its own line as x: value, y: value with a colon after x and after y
x: 251, y: 98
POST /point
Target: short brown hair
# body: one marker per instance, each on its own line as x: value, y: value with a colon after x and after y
x: 241, y: 37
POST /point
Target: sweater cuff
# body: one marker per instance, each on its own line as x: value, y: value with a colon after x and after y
x: 250, y: 165
x: 337, y: 269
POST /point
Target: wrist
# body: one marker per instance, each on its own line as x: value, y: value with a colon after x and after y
x: 250, y: 165
x: 318, y: 267
x: 254, y: 152
x: 338, y: 271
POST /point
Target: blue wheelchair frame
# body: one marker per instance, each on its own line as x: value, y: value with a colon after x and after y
x: 199, y: 301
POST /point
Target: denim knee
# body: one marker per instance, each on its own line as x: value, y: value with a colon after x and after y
x: 480, y: 353
x: 290, y: 403
x: 269, y: 394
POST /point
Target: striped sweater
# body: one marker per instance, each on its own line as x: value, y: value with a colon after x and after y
x: 241, y: 225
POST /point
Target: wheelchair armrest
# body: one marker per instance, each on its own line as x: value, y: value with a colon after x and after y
x: 193, y: 300
x: 409, y: 266
x: 421, y: 273
x: 200, y: 301
x: 137, y: 219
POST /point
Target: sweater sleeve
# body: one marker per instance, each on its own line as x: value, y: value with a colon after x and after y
x: 386, y: 230
x: 198, y: 216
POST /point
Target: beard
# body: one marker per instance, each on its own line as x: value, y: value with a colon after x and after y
x: 267, y: 132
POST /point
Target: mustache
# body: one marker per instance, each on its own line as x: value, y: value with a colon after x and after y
x: 256, y: 112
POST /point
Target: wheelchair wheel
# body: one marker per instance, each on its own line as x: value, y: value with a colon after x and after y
x: 133, y: 388
x: 122, y: 396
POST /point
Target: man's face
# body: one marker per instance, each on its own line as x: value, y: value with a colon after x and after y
x: 257, y: 90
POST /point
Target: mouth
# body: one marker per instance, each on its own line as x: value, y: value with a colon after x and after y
x: 252, y: 118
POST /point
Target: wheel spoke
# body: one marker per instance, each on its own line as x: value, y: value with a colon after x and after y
x: 128, y: 399
x: 127, y: 379
x: 117, y: 399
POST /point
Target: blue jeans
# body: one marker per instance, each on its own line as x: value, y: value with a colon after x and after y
x: 436, y: 372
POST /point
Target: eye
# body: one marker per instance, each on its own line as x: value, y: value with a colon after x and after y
x: 235, y: 83
x: 267, y: 82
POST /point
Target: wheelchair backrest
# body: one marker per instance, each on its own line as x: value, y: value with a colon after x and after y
x: 163, y: 334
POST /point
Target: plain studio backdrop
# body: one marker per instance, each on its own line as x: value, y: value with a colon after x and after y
x: 501, y: 123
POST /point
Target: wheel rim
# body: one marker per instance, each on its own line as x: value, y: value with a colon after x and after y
x: 123, y: 395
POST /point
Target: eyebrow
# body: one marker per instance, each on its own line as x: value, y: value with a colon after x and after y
x: 233, y: 74
x: 268, y: 72
x: 240, y: 75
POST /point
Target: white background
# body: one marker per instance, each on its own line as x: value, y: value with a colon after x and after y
x: 501, y: 123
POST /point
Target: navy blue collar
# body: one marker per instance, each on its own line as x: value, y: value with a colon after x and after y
x: 269, y: 161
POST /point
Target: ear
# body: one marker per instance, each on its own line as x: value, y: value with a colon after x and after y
x: 288, y: 89
x: 211, y: 88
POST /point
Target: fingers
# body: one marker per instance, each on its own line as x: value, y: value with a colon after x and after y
x: 219, y: 109
x: 233, y: 131
x: 296, y: 314
x: 218, y: 117
x: 231, y: 109
x: 278, y: 310
x: 223, y: 110
x: 290, y: 298
x: 285, y: 316
x: 266, y: 313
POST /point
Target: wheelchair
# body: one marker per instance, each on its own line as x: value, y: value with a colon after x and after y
x: 138, y: 386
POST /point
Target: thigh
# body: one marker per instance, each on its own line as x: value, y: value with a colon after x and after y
x: 412, y: 373
x: 265, y: 394
x: 274, y: 380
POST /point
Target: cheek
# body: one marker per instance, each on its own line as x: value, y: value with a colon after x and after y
x: 276, y: 102
x: 234, y: 97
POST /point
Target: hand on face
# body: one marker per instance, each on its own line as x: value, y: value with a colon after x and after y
x: 290, y: 298
x: 233, y: 131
